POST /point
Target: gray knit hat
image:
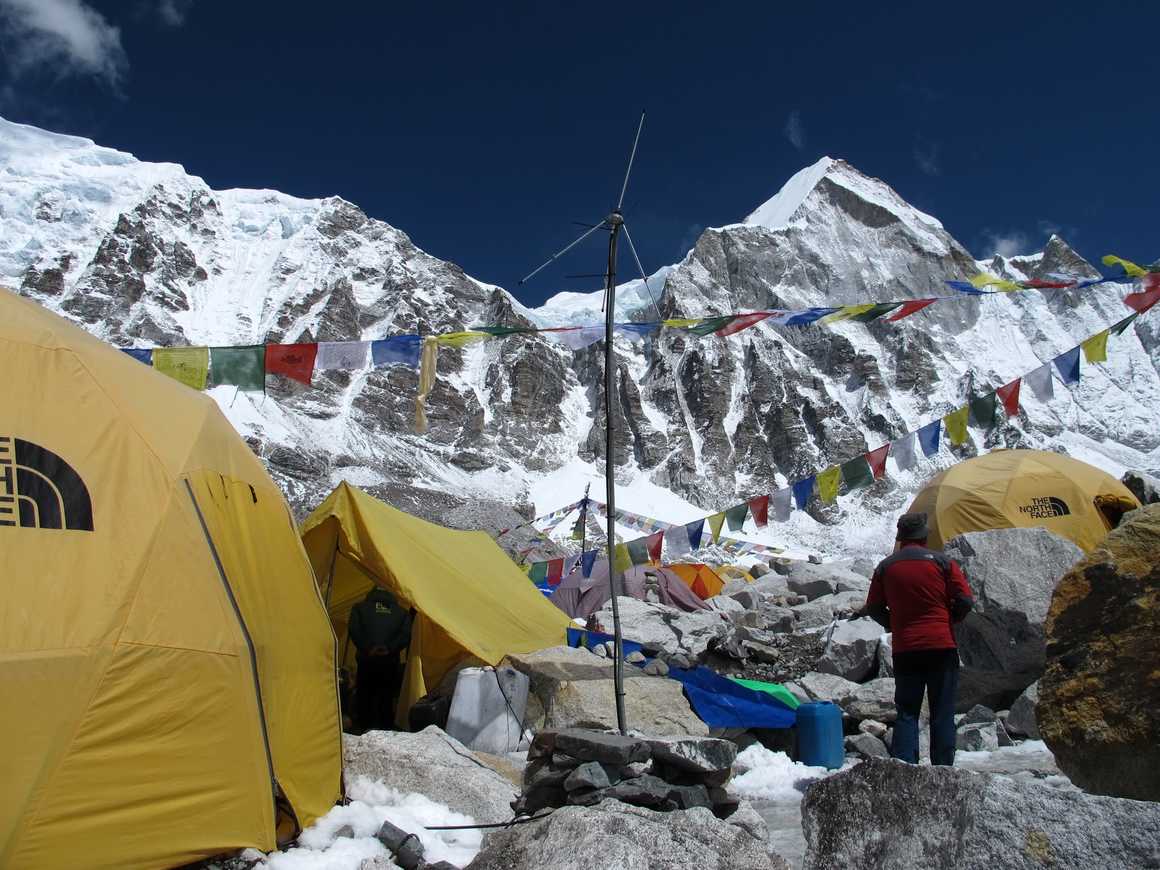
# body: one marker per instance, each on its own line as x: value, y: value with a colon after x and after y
x: 912, y: 527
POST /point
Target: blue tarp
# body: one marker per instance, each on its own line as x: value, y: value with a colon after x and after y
x: 717, y: 701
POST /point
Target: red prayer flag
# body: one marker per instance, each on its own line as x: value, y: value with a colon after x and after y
x: 909, y: 308
x: 1147, y: 297
x: 555, y: 571
x: 877, y: 460
x: 292, y: 360
x: 759, y: 508
x: 1009, y: 395
x: 1040, y: 284
x: 654, y: 542
x: 743, y: 321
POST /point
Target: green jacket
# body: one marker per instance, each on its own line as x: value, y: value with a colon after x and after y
x: 379, y: 620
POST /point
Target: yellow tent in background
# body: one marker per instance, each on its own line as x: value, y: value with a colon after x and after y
x: 166, y: 666
x: 1019, y: 488
x: 700, y: 578
x: 733, y: 572
x: 470, y: 598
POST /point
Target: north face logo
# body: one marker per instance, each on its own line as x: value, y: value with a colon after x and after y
x: 39, y: 490
x: 1048, y: 506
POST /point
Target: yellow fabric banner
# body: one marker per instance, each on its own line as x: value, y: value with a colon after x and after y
x: 621, y: 558
x: 715, y: 523
x: 190, y: 365
x: 846, y: 312
x: 982, y: 281
x: 459, y: 339
x: 956, y: 426
x: 1129, y: 267
x: 828, y: 481
x: 1095, y: 349
x: 428, y: 365
x: 681, y: 322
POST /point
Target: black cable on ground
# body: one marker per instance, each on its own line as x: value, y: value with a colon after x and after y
x: 508, y: 824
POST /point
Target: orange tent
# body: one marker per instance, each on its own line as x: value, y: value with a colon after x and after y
x: 700, y: 578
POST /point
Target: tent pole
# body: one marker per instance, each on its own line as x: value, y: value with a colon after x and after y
x: 615, y: 222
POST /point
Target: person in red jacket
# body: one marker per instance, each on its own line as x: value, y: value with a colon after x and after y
x: 918, y: 594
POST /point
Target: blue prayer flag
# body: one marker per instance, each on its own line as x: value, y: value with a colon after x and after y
x: 141, y: 354
x: 928, y: 437
x: 802, y: 490
x: 1068, y: 366
x: 966, y: 287
x: 803, y: 318
x: 397, y: 350
x: 587, y: 560
x: 637, y: 330
x: 694, y: 530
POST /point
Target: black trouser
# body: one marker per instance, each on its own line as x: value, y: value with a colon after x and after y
x: 377, y: 685
x: 935, y: 672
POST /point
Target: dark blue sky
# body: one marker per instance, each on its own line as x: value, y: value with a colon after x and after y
x: 483, y: 130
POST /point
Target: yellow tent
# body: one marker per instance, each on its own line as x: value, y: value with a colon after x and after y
x: 700, y: 578
x: 470, y: 598
x: 1019, y: 488
x: 166, y: 666
x: 733, y: 572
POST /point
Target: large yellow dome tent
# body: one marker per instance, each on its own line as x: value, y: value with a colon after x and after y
x: 1020, y: 488
x: 471, y: 600
x: 166, y: 665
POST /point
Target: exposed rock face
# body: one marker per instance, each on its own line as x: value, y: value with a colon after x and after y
x: 890, y: 814
x: 1021, y: 718
x: 872, y: 700
x: 666, y: 630
x: 613, y: 834
x: 1012, y: 573
x: 852, y: 650
x: 1144, y: 486
x: 1099, y: 699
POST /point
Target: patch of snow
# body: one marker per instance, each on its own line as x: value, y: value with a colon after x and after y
x: 777, y: 211
x: 774, y: 776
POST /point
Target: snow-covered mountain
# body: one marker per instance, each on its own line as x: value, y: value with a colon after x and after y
x: 144, y: 253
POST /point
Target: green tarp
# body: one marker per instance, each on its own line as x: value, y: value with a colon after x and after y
x: 776, y: 689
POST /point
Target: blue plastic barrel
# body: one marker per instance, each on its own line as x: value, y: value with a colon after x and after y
x: 819, y: 726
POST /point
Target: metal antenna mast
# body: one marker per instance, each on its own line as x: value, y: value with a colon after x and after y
x: 614, y: 223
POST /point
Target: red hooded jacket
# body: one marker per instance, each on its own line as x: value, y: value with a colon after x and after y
x: 925, y: 592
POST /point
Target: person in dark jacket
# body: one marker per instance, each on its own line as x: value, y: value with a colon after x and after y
x: 918, y: 594
x: 380, y: 630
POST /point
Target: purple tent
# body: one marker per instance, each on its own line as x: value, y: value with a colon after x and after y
x: 581, y: 596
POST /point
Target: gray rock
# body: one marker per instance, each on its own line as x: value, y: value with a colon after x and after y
x: 405, y: 846
x: 872, y: 700
x: 1021, y: 719
x: 694, y: 754
x: 853, y: 583
x: 1001, y: 734
x: 1012, y: 573
x: 873, y: 727
x: 851, y: 650
x: 1146, y: 487
x: 346, y: 832
x: 777, y: 619
x: 812, y: 581
x: 866, y: 745
x: 588, y: 745
x: 758, y: 570
x: 656, y: 668
x: 889, y: 814
x: 656, y: 705
x: 666, y: 630
x: 591, y: 774
x: 635, y: 658
x: 977, y: 737
x: 978, y: 715
x: 814, y: 614
x: 434, y: 764
x: 560, y: 663
x: 748, y: 597
x: 611, y: 834
x: 725, y: 604
x: 886, y: 655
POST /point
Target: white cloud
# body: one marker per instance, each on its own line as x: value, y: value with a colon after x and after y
x: 173, y: 12
x: 794, y: 130
x: 63, y: 36
x: 1006, y: 244
x: 926, y: 156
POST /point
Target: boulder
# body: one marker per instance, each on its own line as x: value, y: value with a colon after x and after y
x: 870, y: 726
x: 851, y: 650
x: 866, y: 745
x: 978, y: 715
x: 885, y: 813
x: 662, y: 629
x: 886, y: 655
x: 654, y: 705
x: 656, y: 668
x: 591, y: 774
x: 1021, y: 719
x: 585, y: 745
x: 1146, y: 487
x: 777, y: 619
x: 700, y: 755
x: 748, y: 597
x: 434, y: 764
x: 977, y: 737
x: 612, y: 834
x: 758, y: 570
x: 1012, y: 573
x: 560, y: 663
x: 872, y: 700
x: 814, y: 614
x: 1099, y: 699
x: 843, y: 604
x: 406, y: 848
x: 726, y: 605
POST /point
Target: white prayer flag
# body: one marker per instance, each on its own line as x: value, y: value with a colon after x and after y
x: 781, y: 505
x: 347, y: 356
x: 903, y: 452
x: 1041, y: 383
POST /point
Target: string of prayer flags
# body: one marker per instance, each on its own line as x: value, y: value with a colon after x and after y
x: 241, y: 367
x: 1095, y: 349
x: 928, y: 438
x: 294, y: 361
x: 782, y: 504
x: 715, y: 523
x: 189, y: 365
x: 983, y: 410
x: 956, y: 423
x: 876, y: 460
x: 347, y: 356
x: 759, y: 508
x: 828, y: 481
x: 1009, y: 395
x: 802, y: 490
x: 735, y: 516
x: 1067, y: 364
x: 856, y: 473
x: 903, y: 452
x: 911, y: 307
x: 141, y: 354
x: 1040, y: 382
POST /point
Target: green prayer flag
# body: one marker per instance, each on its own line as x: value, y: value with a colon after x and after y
x: 735, y: 516
x: 711, y: 324
x: 1118, y: 329
x: 502, y: 330
x: 875, y: 312
x: 856, y: 473
x: 539, y: 572
x: 983, y: 410
x: 241, y: 367
x: 638, y: 551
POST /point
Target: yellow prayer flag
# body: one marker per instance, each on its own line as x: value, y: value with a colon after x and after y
x: 982, y: 281
x: 1129, y: 267
x: 956, y: 426
x: 1095, y: 349
x: 847, y: 311
x: 828, y: 481
x: 621, y: 558
x: 428, y: 366
x: 459, y: 339
x: 190, y: 365
x: 715, y: 523
x: 681, y: 322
